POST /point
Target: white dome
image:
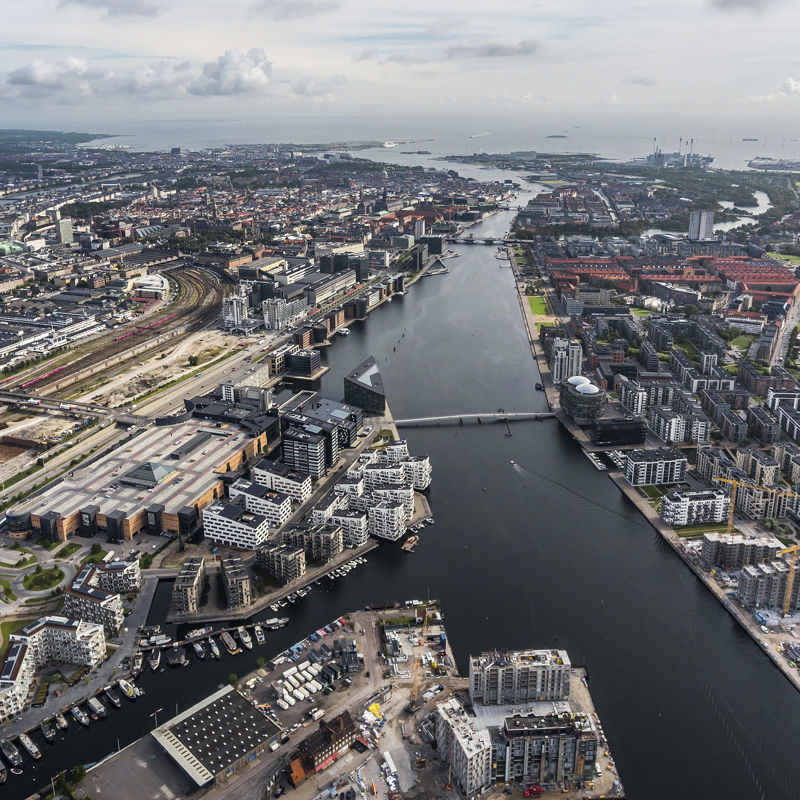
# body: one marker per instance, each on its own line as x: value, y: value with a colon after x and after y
x: 577, y: 380
x: 587, y: 388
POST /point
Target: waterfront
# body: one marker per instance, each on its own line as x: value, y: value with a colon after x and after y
x: 543, y: 551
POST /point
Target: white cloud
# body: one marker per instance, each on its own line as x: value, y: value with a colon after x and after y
x: 756, y: 6
x: 294, y: 9
x: 317, y: 87
x: 234, y: 73
x: 69, y: 75
x: 494, y: 49
x: 790, y: 86
x: 119, y: 8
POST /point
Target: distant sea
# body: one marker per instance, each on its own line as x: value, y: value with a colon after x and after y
x: 613, y: 139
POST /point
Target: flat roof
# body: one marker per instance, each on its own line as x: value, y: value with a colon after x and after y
x: 214, y: 734
x: 187, y: 456
x: 367, y: 374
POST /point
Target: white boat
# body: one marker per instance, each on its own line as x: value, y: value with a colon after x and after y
x: 258, y: 631
x: 244, y: 637
x: 199, y: 650
x: 276, y: 622
x: 198, y: 633
x: 155, y: 659
x: 213, y: 647
x: 127, y: 689
x: 344, y: 331
x: 96, y: 707
x: 28, y: 744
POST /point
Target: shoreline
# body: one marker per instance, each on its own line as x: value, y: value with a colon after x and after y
x: 667, y: 533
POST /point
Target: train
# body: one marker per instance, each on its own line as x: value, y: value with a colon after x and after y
x: 143, y: 328
x: 33, y: 381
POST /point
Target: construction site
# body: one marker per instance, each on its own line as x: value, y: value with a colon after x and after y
x: 352, y: 712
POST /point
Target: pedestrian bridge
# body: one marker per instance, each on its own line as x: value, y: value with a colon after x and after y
x: 478, y: 419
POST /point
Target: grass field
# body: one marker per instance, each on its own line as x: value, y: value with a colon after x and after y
x: 699, y: 530
x: 8, y: 594
x: 68, y: 549
x: 93, y: 559
x: 11, y: 626
x: 743, y: 342
x: 46, y: 579
x: 641, y: 312
x: 785, y: 257
x: 538, y: 305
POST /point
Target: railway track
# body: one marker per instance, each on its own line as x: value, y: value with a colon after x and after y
x: 198, y: 306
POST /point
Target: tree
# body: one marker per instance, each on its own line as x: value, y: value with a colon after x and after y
x: 95, y: 549
x: 78, y: 773
x: 38, y: 569
x: 193, y: 361
x: 233, y: 679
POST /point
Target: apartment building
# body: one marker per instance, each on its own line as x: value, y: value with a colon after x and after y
x: 354, y: 525
x: 188, y: 586
x: 655, y: 467
x: 322, y: 543
x: 387, y: 520
x: 759, y: 466
x: 519, y: 676
x: 468, y: 751
x: 119, y: 576
x: 695, y: 508
x: 84, y: 600
x: 566, y: 357
x: 231, y: 525
x: 47, y: 639
x: 285, y: 562
x: 304, y: 451
x: 282, y: 478
x: 764, y: 586
x: 236, y: 580
x: 735, y: 551
x: 275, y: 507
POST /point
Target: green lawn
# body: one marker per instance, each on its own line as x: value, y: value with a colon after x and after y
x: 785, y: 257
x: 687, y: 347
x: 68, y: 549
x: 698, y: 530
x: 743, y: 342
x: 93, y: 559
x: 641, y: 312
x: 8, y: 595
x: 538, y: 305
x: 46, y: 579
x: 12, y: 626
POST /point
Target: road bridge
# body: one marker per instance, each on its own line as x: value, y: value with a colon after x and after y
x: 478, y: 419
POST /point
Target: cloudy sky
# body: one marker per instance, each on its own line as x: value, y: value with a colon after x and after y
x: 63, y: 61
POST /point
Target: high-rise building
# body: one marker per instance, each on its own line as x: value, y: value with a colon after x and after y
x: 64, y: 231
x: 566, y: 357
x: 468, y: 751
x: 187, y: 588
x: 701, y: 226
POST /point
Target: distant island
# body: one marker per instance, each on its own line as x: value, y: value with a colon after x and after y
x: 557, y: 136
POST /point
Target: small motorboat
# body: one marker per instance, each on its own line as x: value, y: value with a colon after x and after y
x: 199, y: 650
x: 48, y: 731
x: 213, y: 647
x: 230, y: 643
x: 12, y: 756
x: 127, y: 688
x: 112, y: 698
x: 80, y: 716
x: 155, y: 659
x: 244, y: 637
x: 28, y: 744
x: 259, y: 632
x: 61, y: 722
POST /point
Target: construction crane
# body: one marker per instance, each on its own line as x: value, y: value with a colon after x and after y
x: 736, y: 484
x: 787, y: 598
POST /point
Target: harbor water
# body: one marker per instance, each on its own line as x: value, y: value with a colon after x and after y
x: 531, y: 547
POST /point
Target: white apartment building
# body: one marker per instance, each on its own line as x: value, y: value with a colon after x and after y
x: 695, y: 508
x: 279, y: 313
x: 469, y: 752
x: 119, y: 576
x: 234, y: 311
x: 275, y: 507
x: 668, y: 425
x: 230, y: 525
x: 84, y: 600
x: 282, y: 478
x: 354, y: 525
x: 387, y: 520
x: 397, y: 494
x: 566, y: 358
x: 654, y: 467
x: 56, y: 638
x: 376, y: 474
x: 352, y: 487
x: 417, y: 470
x: 327, y: 507
x: 519, y: 676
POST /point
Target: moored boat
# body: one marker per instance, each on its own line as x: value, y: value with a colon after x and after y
x: 198, y: 633
x: 80, y: 716
x: 199, y: 650
x: 96, y: 707
x: 11, y: 755
x: 138, y: 662
x: 112, y: 698
x: 258, y: 631
x: 408, y: 544
x: 61, y: 722
x: 3, y: 774
x: 48, y: 731
x: 244, y: 637
x: 276, y: 622
x: 213, y: 647
x: 127, y: 688
x: 28, y: 744
x: 176, y: 657
x: 155, y: 659
x: 230, y: 643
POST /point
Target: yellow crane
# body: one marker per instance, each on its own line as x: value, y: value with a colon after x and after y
x: 787, y: 598
x: 736, y: 484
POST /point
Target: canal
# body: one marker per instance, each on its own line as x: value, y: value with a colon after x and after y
x: 532, y: 547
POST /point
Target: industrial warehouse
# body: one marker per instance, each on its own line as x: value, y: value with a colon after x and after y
x: 159, y: 481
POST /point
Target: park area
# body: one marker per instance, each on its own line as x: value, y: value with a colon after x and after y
x: 538, y: 306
